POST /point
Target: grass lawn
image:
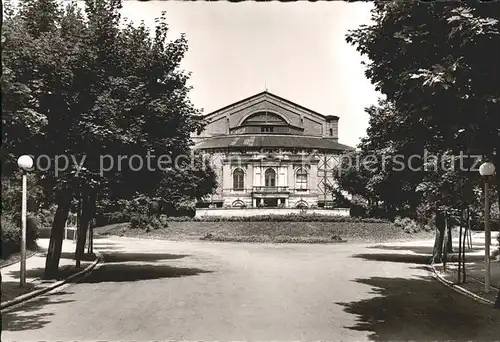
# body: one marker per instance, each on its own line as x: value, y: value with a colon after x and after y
x: 308, y: 232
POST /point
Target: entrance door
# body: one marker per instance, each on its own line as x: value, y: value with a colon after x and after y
x: 271, y: 202
x: 270, y: 177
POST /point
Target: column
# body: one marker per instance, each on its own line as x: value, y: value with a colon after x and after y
x: 249, y: 180
x: 254, y: 202
x: 313, y: 179
x: 291, y: 183
x: 262, y: 179
x: 226, y: 177
x: 283, y: 178
x: 256, y: 180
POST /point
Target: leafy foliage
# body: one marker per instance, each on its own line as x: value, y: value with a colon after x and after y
x: 11, y: 234
x: 82, y: 85
x: 431, y: 86
x: 435, y: 63
x: 451, y: 77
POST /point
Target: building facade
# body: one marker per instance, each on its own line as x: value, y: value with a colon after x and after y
x: 270, y: 152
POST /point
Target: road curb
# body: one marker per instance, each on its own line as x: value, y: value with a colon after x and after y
x: 33, y: 253
x: 27, y: 296
x: 459, y: 289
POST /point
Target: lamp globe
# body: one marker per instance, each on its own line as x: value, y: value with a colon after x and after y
x: 487, y: 169
x: 25, y: 162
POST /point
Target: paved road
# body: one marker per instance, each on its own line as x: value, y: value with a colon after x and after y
x: 160, y: 290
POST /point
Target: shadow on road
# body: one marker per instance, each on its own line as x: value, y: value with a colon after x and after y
x: 394, y: 257
x: 146, y: 257
x: 419, y: 249
x: 11, y: 289
x: 105, y: 247
x: 118, y: 268
x: 135, y: 272
x: 420, y: 255
x: 29, y: 316
x: 421, y: 309
x: 37, y: 273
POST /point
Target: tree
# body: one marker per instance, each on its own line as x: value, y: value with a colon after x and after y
x: 103, y: 90
x: 384, y: 172
x: 441, y: 69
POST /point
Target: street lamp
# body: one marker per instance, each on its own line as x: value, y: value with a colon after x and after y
x: 486, y: 170
x: 25, y: 163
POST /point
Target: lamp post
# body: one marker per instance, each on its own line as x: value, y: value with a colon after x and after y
x: 25, y: 163
x: 486, y: 170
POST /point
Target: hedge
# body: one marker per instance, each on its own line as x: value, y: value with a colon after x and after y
x: 278, y: 218
x: 274, y: 239
x: 11, y: 235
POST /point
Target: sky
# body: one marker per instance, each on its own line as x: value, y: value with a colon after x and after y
x: 297, y: 50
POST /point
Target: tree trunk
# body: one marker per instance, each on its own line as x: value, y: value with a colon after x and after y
x: 88, y: 211
x: 497, y: 166
x: 449, y: 242
x: 57, y: 234
x: 469, y: 229
x: 90, y: 248
x: 445, y: 246
x: 437, y: 253
x: 465, y: 237
x: 82, y: 231
x: 1, y: 286
x: 460, y: 248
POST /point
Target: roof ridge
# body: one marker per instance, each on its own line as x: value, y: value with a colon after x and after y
x: 270, y: 95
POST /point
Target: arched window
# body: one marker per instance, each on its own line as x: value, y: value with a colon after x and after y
x: 238, y: 179
x: 301, y: 179
x: 238, y: 204
x: 270, y: 177
x: 301, y: 204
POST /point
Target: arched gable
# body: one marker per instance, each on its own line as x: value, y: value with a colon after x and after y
x: 259, y: 117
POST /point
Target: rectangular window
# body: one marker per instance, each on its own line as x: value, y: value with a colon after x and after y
x: 266, y: 129
x: 238, y: 180
x: 301, y: 180
x: 238, y: 183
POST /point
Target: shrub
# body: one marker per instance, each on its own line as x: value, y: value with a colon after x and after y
x: 408, y: 225
x: 497, y: 253
x: 11, y: 234
x: 148, y: 223
x: 425, y: 216
x: 274, y: 239
x: 358, y: 207
x: 181, y: 219
x: 278, y: 218
x: 357, y: 210
x: 45, y: 217
x: 184, y: 209
x: 139, y: 221
x: 495, y: 214
x: 112, y: 218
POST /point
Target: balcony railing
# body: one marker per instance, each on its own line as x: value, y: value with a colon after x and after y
x: 270, y: 189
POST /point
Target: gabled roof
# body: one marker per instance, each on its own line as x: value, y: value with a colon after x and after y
x: 271, y: 95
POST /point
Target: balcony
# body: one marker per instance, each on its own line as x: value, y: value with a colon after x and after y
x: 270, y: 189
